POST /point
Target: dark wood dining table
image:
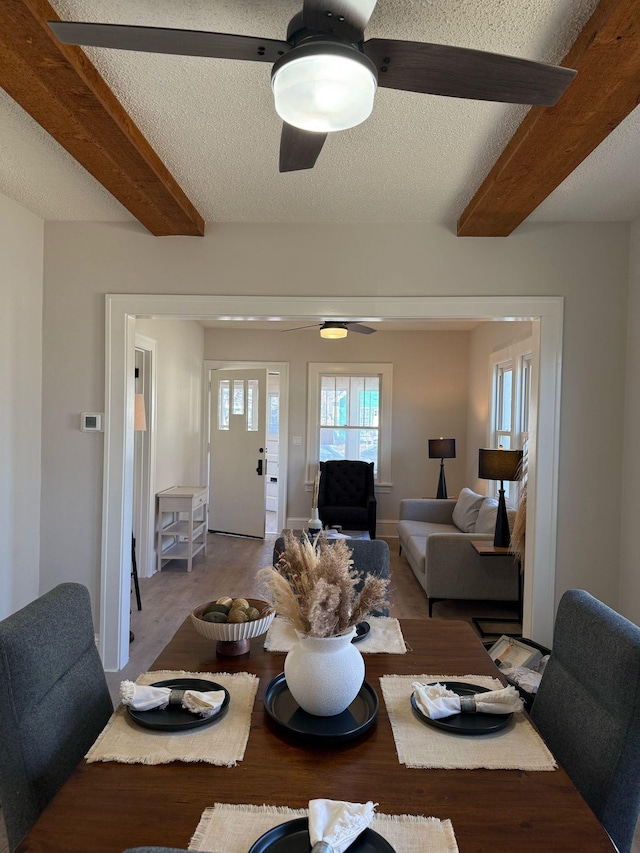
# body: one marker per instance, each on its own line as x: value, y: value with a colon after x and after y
x: 106, y: 807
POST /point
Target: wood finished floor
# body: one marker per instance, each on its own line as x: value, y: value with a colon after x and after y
x: 229, y: 569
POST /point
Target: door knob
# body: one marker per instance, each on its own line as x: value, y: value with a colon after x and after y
x: 259, y: 468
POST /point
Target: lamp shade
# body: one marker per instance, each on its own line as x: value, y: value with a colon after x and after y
x: 442, y: 448
x: 139, y: 416
x: 499, y: 464
x: 324, y: 86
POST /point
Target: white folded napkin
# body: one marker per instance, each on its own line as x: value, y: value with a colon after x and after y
x: 436, y: 701
x: 338, y: 823
x: 143, y: 697
x: 524, y: 677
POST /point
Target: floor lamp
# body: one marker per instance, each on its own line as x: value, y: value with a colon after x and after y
x: 442, y: 448
x: 500, y: 465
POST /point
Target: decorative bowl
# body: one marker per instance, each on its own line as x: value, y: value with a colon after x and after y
x: 233, y: 637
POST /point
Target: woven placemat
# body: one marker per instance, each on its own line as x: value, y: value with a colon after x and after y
x: 227, y: 828
x: 516, y: 747
x: 222, y: 743
x: 385, y: 636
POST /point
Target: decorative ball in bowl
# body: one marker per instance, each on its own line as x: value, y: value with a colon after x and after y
x: 232, y: 636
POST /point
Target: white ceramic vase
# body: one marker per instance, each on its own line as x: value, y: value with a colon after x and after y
x: 314, y: 524
x: 324, y: 674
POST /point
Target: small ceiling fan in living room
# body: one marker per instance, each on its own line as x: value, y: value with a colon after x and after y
x: 325, y: 75
x: 334, y: 329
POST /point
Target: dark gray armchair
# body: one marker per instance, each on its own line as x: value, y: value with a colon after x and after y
x: 588, y: 709
x: 54, y: 701
x: 346, y: 496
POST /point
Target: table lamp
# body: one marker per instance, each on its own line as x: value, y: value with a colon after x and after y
x: 500, y: 465
x: 442, y: 448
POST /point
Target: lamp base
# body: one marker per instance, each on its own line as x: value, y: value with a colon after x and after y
x: 502, y: 536
x: 442, y: 483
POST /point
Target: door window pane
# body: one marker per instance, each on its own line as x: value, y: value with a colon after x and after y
x: 252, y: 405
x: 223, y: 404
x: 238, y: 396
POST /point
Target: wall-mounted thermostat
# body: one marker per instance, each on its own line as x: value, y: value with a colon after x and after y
x: 91, y: 422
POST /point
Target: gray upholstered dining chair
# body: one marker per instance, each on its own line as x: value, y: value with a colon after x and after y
x: 588, y: 709
x: 369, y: 557
x: 54, y: 701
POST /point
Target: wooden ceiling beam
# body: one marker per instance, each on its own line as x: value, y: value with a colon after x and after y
x: 62, y: 90
x: 552, y: 141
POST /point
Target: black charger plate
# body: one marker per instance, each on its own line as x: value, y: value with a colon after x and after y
x: 293, y: 837
x: 362, y: 631
x: 175, y: 718
x: 325, y: 731
x: 464, y: 724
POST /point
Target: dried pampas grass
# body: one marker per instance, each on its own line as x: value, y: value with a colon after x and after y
x: 313, y: 586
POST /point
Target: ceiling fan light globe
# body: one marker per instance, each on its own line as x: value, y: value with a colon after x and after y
x: 324, y: 92
x: 333, y: 333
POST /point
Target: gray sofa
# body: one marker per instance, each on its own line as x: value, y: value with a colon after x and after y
x: 435, y: 540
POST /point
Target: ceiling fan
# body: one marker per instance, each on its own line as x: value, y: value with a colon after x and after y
x: 333, y: 329
x: 324, y: 76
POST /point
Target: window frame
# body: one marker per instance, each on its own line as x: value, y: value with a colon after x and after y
x: 384, y: 372
x: 518, y: 357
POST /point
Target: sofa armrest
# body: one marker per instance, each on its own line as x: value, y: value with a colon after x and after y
x: 438, y: 511
x: 454, y: 569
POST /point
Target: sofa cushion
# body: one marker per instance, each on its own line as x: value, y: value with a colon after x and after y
x: 486, y: 520
x: 466, y: 510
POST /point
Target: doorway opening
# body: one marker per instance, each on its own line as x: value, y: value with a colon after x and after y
x: 545, y: 313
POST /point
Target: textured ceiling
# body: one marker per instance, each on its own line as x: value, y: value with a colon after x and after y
x: 212, y: 122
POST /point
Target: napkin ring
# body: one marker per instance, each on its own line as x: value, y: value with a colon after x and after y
x: 176, y: 697
x: 467, y: 704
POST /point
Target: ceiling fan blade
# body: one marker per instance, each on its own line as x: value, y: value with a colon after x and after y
x: 163, y: 40
x: 358, y: 327
x: 346, y: 19
x: 298, y: 328
x: 299, y: 149
x: 459, y: 72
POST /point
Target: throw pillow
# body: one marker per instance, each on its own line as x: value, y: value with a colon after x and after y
x: 486, y: 520
x: 465, y: 512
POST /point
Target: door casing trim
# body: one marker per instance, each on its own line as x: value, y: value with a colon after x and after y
x: 545, y: 313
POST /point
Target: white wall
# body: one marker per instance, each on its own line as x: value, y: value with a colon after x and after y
x: 586, y: 263
x: 429, y: 399
x: 179, y: 353
x: 21, y: 254
x: 630, y: 542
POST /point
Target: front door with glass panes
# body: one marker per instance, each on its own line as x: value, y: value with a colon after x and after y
x: 237, y: 471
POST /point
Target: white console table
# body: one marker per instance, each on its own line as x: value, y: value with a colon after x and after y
x: 181, y: 523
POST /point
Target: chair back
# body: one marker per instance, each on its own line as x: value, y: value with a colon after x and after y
x: 588, y: 709
x: 345, y: 482
x: 369, y: 557
x: 54, y: 701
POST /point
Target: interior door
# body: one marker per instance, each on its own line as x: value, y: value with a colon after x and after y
x: 237, y: 468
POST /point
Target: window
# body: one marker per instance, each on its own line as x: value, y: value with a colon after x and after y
x: 510, y: 389
x: 274, y: 413
x: 243, y: 401
x: 349, y: 416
